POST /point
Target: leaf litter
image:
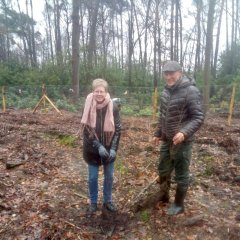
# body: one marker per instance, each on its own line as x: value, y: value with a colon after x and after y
x: 44, y: 195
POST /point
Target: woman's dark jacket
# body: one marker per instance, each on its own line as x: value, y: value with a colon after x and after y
x: 90, y: 148
x: 180, y: 110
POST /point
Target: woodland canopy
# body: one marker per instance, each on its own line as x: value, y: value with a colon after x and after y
x: 124, y: 41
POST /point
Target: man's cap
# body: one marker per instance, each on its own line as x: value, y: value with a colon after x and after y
x: 171, y: 66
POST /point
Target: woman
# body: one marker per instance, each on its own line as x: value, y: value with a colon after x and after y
x: 101, y: 133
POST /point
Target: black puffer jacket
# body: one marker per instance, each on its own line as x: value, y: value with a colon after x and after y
x: 180, y: 110
x: 90, y: 149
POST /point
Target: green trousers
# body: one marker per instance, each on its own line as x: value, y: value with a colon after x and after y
x: 175, y: 157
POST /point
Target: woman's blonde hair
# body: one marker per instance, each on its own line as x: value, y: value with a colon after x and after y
x: 100, y: 82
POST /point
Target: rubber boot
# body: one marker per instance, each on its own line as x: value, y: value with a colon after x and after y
x: 178, y: 206
x: 164, y: 189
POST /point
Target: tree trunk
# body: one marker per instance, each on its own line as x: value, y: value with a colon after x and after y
x: 159, y: 49
x: 24, y: 40
x: 146, y: 34
x: 75, y: 48
x: 68, y: 25
x: 233, y: 24
x: 114, y: 36
x: 92, y: 34
x: 118, y: 44
x: 198, y: 44
x: 208, y: 53
x: 34, y: 54
x: 180, y: 50
x: 171, y: 31
x: 176, y: 37
x: 29, y: 38
x: 5, y: 42
x: 57, y: 32
x: 139, y: 35
x: 49, y: 32
x: 130, y: 45
x: 122, y: 61
x: 227, y: 41
x: 233, y: 36
x: 104, y: 41
x: 237, y: 22
x: 217, y: 40
x: 156, y: 39
x: 83, y: 39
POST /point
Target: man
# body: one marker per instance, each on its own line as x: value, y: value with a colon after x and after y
x: 180, y: 117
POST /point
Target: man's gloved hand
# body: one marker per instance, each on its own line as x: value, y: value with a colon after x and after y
x: 103, y: 152
x: 112, y: 155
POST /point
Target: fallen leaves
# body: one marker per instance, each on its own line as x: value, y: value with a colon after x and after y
x: 47, y: 196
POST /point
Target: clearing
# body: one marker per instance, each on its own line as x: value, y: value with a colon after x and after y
x: 43, y: 182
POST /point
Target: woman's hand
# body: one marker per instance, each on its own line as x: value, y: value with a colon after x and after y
x: 112, y: 155
x: 103, y: 153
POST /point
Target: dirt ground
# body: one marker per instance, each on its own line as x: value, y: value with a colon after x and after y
x: 43, y: 182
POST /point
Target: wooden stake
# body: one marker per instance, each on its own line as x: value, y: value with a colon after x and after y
x: 154, y: 105
x: 43, y: 98
x: 3, y: 100
x: 231, y: 105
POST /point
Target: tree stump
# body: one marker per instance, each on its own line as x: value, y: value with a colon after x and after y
x: 107, y: 215
x: 148, y: 197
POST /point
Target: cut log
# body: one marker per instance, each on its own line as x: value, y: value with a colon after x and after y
x: 14, y: 163
x: 4, y: 206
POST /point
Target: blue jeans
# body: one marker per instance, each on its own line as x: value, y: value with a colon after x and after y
x: 107, y: 184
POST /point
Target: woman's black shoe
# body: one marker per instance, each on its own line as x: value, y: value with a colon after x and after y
x: 110, y: 207
x: 92, y: 208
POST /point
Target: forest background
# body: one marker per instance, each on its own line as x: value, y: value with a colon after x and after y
x: 124, y: 41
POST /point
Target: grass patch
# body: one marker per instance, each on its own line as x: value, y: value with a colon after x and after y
x: 67, y: 140
x: 135, y: 111
x: 145, y: 216
x: 209, y: 169
x: 121, y: 168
